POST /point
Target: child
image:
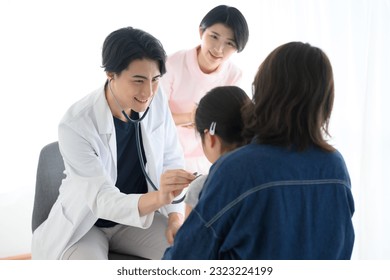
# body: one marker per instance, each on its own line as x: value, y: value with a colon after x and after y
x: 218, y: 121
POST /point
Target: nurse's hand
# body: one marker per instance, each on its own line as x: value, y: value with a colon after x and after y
x: 172, y: 183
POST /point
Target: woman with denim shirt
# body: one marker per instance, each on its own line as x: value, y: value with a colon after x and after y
x: 287, y: 195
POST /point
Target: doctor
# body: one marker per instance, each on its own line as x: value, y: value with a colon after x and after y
x: 106, y: 202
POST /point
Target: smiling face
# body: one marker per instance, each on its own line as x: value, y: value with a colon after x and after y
x: 134, y: 87
x: 218, y: 45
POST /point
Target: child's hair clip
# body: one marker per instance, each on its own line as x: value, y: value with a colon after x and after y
x: 212, y: 128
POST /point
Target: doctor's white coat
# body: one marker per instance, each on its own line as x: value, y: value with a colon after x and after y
x: 87, y: 143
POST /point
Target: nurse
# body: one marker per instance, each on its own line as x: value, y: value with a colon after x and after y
x: 223, y: 32
x: 106, y: 203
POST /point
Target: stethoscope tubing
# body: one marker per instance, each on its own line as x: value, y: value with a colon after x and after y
x: 138, y: 142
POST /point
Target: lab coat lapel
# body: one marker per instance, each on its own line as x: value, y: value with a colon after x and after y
x: 105, y: 123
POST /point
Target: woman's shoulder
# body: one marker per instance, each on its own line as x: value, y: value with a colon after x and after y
x: 181, y: 55
x: 180, y: 62
x: 238, y: 157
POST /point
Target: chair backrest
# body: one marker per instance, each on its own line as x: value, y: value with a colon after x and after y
x: 50, y: 173
x: 49, y: 176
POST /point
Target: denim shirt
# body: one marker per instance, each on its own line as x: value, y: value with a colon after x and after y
x: 267, y: 202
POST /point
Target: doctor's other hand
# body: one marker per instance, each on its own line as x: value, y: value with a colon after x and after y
x: 175, y: 220
x: 172, y: 183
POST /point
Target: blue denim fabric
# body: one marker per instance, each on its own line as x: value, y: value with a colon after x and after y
x: 266, y: 202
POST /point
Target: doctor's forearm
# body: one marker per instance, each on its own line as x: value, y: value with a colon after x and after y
x: 148, y: 203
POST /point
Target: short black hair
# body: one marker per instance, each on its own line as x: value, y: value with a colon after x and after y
x: 127, y: 44
x: 232, y: 18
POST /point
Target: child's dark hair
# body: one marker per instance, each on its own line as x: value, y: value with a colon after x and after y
x: 222, y: 106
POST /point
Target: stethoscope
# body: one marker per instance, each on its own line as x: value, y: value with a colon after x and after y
x: 138, y: 141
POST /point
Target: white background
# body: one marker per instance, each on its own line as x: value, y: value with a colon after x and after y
x: 50, y: 56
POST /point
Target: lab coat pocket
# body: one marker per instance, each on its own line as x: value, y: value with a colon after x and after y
x: 52, y: 236
x: 65, y: 214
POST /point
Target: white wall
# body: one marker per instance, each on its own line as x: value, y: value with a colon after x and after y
x: 50, y: 56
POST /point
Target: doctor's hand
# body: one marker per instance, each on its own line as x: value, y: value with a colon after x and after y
x: 175, y: 220
x: 172, y: 183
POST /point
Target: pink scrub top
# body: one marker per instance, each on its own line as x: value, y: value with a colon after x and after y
x: 185, y: 84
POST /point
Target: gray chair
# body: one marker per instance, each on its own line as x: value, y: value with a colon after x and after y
x: 49, y: 177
